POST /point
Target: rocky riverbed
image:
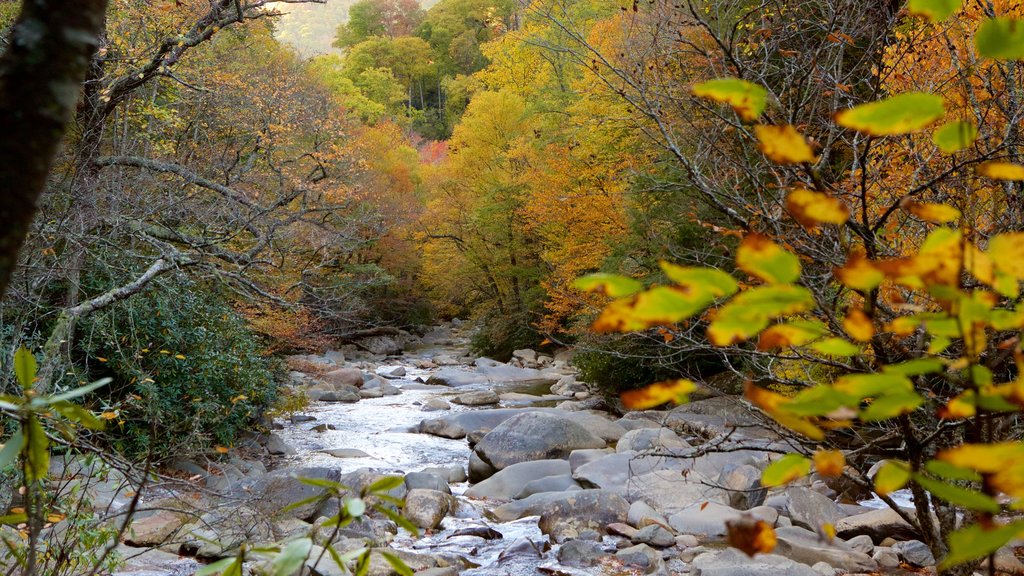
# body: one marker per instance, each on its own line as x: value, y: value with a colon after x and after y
x: 511, y: 469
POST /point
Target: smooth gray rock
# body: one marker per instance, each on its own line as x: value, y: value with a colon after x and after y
x: 426, y: 508
x: 915, y: 553
x: 343, y: 394
x: 533, y: 436
x: 655, y: 535
x: 220, y: 532
x: 478, y: 469
x: 581, y: 511
x: 392, y: 372
x: 614, y: 471
x: 556, y: 483
x: 886, y: 557
x: 456, y: 377
x: 277, y: 446
x: 861, y: 543
x: 669, y: 492
x: 641, y: 556
x: 427, y: 481
x: 537, y: 504
x: 346, y: 453
x: 597, y: 424
x: 744, y: 485
x: 878, y: 524
x: 346, y: 377
x: 811, y: 510
x: 650, y: 439
x: 510, y: 481
x: 642, y: 514
x: 282, y: 488
x: 580, y: 553
x: 807, y: 547
x: 578, y: 458
x: 732, y: 562
x: 477, y: 398
x: 454, y: 472
x: 435, y: 405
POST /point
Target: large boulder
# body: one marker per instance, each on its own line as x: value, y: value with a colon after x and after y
x: 220, y: 532
x: 582, y: 511
x: 477, y: 398
x: 732, y: 562
x: 510, y: 481
x: 614, y: 471
x: 878, y: 524
x: 344, y: 394
x: 427, y: 481
x: 810, y: 509
x: 650, y: 439
x: 534, y: 436
x: 669, y: 492
x: 807, y: 547
x: 282, y: 488
x: 381, y: 345
x: 456, y: 377
x: 537, y: 504
x: 597, y: 423
x: 344, y: 377
x: 458, y: 424
x: 707, y: 521
x: 426, y: 508
x: 556, y: 483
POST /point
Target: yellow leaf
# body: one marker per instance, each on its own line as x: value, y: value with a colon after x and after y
x: 1007, y: 253
x: 764, y: 259
x: 984, y: 458
x: 751, y: 535
x: 101, y: 359
x: 900, y: 114
x: 962, y: 406
x: 829, y: 463
x: 810, y: 208
x: 858, y: 325
x: 55, y: 517
x: 165, y: 351
x: 108, y: 415
x: 783, y: 144
x: 859, y: 273
x: 892, y: 476
x: 239, y: 398
x: 179, y: 356
x: 747, y: 99
x: 675, y: 391
x: 934, y: 213
x: 1001, y: 171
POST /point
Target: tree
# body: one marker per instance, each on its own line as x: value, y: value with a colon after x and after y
x: 384, y: 18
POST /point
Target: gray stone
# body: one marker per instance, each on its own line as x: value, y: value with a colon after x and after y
x: 510, y: 481
x: 580, y: 553
x: 427, y: 481
x: 478, y: 469
x: 342, y: 393
x: 807, y: 547
x: 641, y: 556
x: 381, y: 345
x: 655, y: 535
x: 578, y: 458
x: 744, y: 485
x: 732, y: 562
x: 886, y: 557
x: 861, y: 543
x: 391, y: 371
x: 556, y: 483
x: 156, y: 528
x: 276, y: 446
x: 650, y: 439
x: 220, y: 532
x: 534, y: 436
x: 345, y: 377
x: 426, y: 508
x: 346, y: 453
x: 477, y: 398
x: 597, y: 424
x: 537, y: 504
x: 370, y: 393
x: 454, y: 472
x: 707, y: 523
x: 878, y: 524
x: 614, y: 471
x: 581, y: 510
x: 915, y: 553
x: 436, y: 405
x: 281, y: 488
x: 811, y: 510
x: 379, y: 566
x: 642, y: 514
x: 825, y: 570
x: 456, y: 377
x: 669, y: 492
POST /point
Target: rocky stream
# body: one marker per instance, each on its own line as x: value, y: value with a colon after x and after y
x: 510, y: 469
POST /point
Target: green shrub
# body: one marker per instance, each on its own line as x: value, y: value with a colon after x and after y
x: 187, y: 372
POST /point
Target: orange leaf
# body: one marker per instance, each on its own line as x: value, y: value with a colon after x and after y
x: 934, y: 213
x: 858, y: 325
x: 675, y: 391
x: 751, y: 535
x: 859, y: 273
x: 829, y: 463
x: 783, y: 144
x: 810, y: 208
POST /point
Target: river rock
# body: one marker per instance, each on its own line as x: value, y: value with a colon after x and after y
x: 642, y: 514
x: 281, y: 488
x: 915, y: 553
x: 426, y: 508
x: 878, y: 524
x: 344, y: 377
x: 580, y: 553
x: 861, y: 543
x: 510, y: 481
x: 435, y: 405
x: 581, y: 511
x: 427, y: 481
x: 650, y: 439
x: 807, y: 547
x: 484, y: 532
x: 811, y: 510
x: 556, y: 483
x: 381, y: 345
x: 478, y: 469
x: 642, y: 556
x: 578, y: 458
x: 454, y: 472
x: 534, y: 436
x: 732, y: 562
x: 614, y: 471
x: 477, y: 398
x: 744, y: 485
x: 220, y: 532
x: 597, y: 424
x: 346, y: 453
x: 456, y: 377
x: 153, y: 529
x: 655, y: 535
x: 457, y: 425
x: 504, y: 374
x: 391, y: 372
x: 344, y: 394
x: 669, y: 492
x: 370, y: 393
x: 886, y: 557
x: 277, y: 446
x: 537, y: 504
x: 706, y: 522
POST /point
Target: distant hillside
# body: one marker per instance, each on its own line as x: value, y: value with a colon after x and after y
x: 310, y: 28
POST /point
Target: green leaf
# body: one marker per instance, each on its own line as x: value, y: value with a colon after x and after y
x: 303, y: 502
x: 82, y: 391
x: 37, y: 451
x: 218, y: 567
x: 660, y: 305
x: 933, y: 10
x: 891, y: 476
x: 760, y: 257
x: 900, y: 114
x: 292, y: 557
x: 76, y: 413
x: 819, y: 400
x: 747, y: 99
x: 385, y: 484
x: 613, y: 285
x: 11, y: 449
x: 25, y: 367
x: 324, y: 483
x: 916, y: 367
x: 955, y: 136
x: 951, y: 472
x: 711, y: 280
x: 750, y: 311
x: 835, y: 346
x: 965, y: 497
x: 975, y: 541
x: 14, y: 519
x: 397, y: 564
x: 1001, y: 38
x: 890, y: 406
x: 355, y: 507
x: 785, y: 470
x: 398, y: 519
x: 866, y: 385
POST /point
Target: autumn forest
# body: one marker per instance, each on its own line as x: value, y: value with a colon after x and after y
x: 786, y: 236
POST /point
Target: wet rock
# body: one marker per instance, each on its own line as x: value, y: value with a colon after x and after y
x: 346, y: 453
x: 807, y: 547
x: 557, y: 483
x: 581, y: 510
x: 454, y: 473
x: 343, y: 394
x: 392, y: 372
x: 427, y: 481
x: 344, y: 377
x: 915, y: 553
x: 456, y: 425
x: 509, y: 482
x: 580, y: 554
x: 455, y: 377
x: 878, y: 524
x: 379, y: 566
x: 534, y: 436
x: 442, y: 427
x: 485, y: 532
x: 477, y: 398
x: 277, y: 446
x: 524, y: 547
x: 300, y: 418
x: 435, y: 405
x: 655, y: 535
x: 578, y: 458
x: 732, y: 562
x: 642, y: 556
x: 426, y: 508
x: 281, y: 488
x: 809, y: 509
x: 650, y: 439
x: 478, y: 469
